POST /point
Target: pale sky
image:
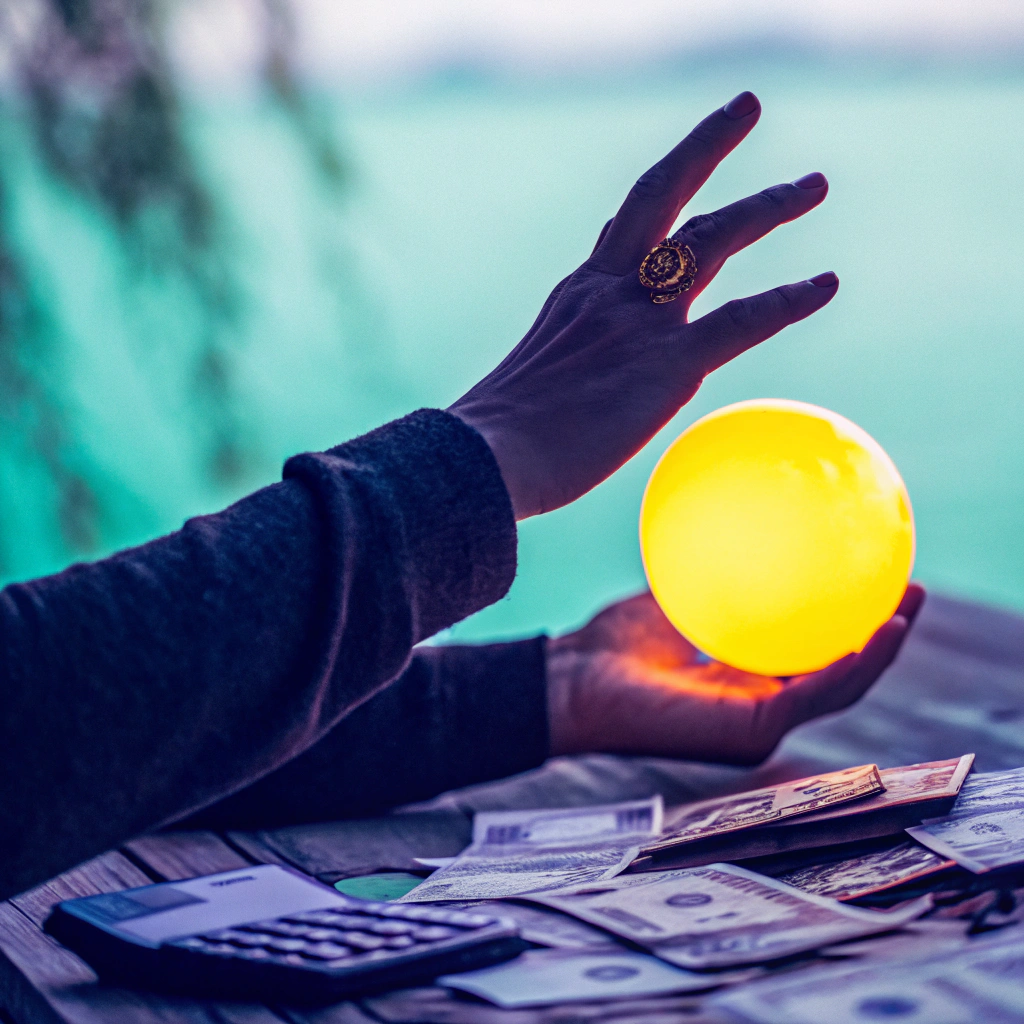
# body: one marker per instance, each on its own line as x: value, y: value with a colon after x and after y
x: 381, y: 39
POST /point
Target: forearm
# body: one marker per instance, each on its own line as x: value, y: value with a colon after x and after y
x: 456, y: 716
x: 140, y: 688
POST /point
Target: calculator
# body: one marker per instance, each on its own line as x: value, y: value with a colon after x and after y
x: 273, y: 934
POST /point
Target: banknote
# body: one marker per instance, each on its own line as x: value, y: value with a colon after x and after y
x: 912, y: 793
x: 721, y: 915
x: 978, y: 842
x: 985, y: 829
x: 979, y: 984
x: 917, y: 785
x: 543, y: 926
x: 990, y: 791
x: 546, y: 977
x: 515, y: 853
x: 757, y: 807
x: 867, y: 873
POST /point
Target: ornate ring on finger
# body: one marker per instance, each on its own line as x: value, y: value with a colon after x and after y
x: 668, y: 270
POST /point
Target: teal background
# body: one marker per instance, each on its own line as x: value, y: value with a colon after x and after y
x: 470, y: 198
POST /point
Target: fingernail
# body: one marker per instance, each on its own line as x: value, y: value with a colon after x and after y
x: 826, y: 280
x: 740, y: 106
x: 813, y: 180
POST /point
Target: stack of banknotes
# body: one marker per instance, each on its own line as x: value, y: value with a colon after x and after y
x: 725, y: 896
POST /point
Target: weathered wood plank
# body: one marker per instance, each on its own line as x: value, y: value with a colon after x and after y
x: 41, y: 982
x: 107, y: 873
x: 251, y: 844
x: 170, y: 856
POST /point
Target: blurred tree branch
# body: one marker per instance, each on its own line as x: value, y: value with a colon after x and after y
x: 106, y: 115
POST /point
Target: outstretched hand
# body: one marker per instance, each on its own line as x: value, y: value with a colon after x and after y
x: 628, y: 682
x: 603, y: 368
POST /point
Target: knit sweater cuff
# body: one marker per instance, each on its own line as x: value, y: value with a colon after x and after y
x: 437, y: 479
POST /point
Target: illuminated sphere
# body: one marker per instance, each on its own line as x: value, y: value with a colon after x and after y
x: 777, y: 536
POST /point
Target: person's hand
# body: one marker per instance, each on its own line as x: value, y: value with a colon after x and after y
x: 604, y: 368
x: 628, y: 682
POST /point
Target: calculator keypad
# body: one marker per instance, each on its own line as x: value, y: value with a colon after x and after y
x: 322, y: 939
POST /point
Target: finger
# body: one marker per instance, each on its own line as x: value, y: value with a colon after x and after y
x: 654, y: 202
x: 743, y: 323
x: 714, y: 237
x: 912, y: 601
x: 843, y: 683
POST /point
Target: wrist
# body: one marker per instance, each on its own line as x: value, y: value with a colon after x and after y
x: 505, y: 448
x: 564, y: 672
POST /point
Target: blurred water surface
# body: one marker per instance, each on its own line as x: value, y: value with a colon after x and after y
x: 470, y: 200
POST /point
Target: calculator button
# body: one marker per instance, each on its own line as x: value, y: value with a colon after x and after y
x: 322, y: 934
x: 412, y: 913
x: 256, y: 954
x: 326, y: 951
x: 363, y: 906
x: 399, y: 942
x: 238, y: 937
x: 390, y: 928
x: 433, y: 933
x: 348, y: 921
x: 457, y: 920
x: 220, y: 948
x: 284, y: 928
x: 313, y: 917
x: 474, y: 921
x: 286, y: 945
x: 362, y: 941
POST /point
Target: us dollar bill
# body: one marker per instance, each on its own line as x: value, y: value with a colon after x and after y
x: 981, y: 983
x: 721, y: 915
x: 985, y: 829
x: 914, y: 786
x: 543, y: 926
x: 867, y: 873
x: 551, y: 977
x: 760, y: 806
x: 516, y: 853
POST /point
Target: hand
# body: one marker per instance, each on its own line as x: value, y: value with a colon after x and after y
x: 628, y: 682
x: 604, y: 368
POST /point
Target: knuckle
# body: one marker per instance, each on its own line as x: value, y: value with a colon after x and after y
x: 653, y: 184
x: 782, y: 300
x: 739, y: 314
x: 704, y: 139
x: 775, y: 198
x: 701, y: 226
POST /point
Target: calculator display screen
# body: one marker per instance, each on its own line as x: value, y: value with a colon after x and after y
x: 170, y: 910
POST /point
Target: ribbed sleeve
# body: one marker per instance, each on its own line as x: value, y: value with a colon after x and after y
x: 139, y: 688
x: 456, y: 716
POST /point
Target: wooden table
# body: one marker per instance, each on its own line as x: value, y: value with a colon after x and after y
x: 958, y: 687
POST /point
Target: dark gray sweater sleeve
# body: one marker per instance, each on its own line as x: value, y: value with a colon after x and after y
x: 456, y: 716
x: 143, y: 687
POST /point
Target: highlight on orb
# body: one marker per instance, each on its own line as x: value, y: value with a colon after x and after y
x: 777, y: 536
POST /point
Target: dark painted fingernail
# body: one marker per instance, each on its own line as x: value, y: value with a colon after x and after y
x: 826, y: 280
x: 740, y: 106
x: 813, y: 180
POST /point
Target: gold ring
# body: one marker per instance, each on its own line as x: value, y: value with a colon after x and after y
x: 668, y: 270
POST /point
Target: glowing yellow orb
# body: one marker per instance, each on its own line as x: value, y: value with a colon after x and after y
x: 777, y: 536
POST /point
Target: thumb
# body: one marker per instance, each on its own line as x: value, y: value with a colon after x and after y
x: 843, y: 683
